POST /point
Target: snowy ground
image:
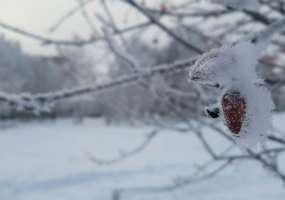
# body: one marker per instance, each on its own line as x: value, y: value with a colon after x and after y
x: 49, y: 161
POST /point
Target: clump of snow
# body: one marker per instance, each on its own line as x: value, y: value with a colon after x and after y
x: 259, y: 102
x: 258, y: 121
x: 215, y: 67
x: 232, y: 67
x: 227, y: 65
x: 252, y: 5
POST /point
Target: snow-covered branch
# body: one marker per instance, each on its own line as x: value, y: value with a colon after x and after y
x: 32, y: 102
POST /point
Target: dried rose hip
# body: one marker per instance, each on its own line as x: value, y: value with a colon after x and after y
x: 234, y: 108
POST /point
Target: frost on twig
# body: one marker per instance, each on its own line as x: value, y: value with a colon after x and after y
x: 126, y: 154
x: 42, y: 102
x: 27, y: 102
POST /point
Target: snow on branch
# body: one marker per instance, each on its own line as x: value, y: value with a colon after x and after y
x: 26, y: 102
x: 41, y: 102
x: 245, y: 106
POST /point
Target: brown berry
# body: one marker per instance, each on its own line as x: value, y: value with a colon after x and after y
x: 234, y: 108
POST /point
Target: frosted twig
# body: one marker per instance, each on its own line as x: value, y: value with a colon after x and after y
x: 126, y: 154
x: 86, y: 16
x: 200, y: 13
x: 68, y: 15
x: 133, y: 63
x: 206, y: 145
x: 163, y: 27
x: 48, y: 98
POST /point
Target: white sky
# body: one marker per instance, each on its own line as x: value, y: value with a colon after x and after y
x: 33, y: 15
x: 38, y: 16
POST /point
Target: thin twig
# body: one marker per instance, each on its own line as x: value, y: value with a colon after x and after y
x: 163, y: 27
x: 126, y: 154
